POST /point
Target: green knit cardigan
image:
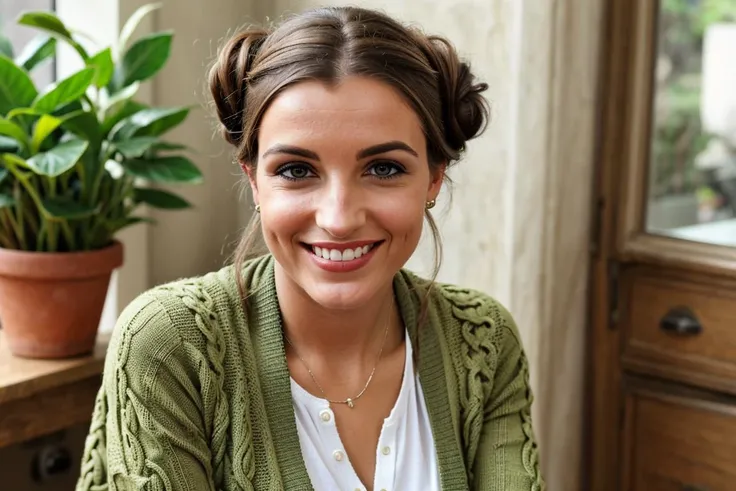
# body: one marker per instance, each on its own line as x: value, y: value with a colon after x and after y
x: 196, y: 391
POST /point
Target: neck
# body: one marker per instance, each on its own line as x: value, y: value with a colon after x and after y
x: 338, y: 336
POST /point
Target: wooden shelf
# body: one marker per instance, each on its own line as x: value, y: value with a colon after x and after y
x: 42, y: 396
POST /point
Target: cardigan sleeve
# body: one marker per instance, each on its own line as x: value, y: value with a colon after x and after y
x: 507, y: 458
x: 147, y: 430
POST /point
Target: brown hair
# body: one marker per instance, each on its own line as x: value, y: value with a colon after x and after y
x: 328, y: 44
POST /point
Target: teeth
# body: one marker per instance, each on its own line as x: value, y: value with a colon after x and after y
x: 336, y: 255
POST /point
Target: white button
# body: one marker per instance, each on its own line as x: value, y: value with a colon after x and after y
x: 385, y: 451
x: 383, y: 489
x: 325, y: 416
x: 338, y: 455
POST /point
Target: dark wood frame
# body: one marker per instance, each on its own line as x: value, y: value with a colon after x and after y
x: 620, y: 238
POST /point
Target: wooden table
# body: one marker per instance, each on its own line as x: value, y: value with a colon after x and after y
x: 42, y: 396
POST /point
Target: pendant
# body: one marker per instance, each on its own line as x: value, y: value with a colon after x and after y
x: 349, y: 401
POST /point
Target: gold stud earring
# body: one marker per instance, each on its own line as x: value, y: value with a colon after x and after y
x: 430, y: 204
x: 258, y: 208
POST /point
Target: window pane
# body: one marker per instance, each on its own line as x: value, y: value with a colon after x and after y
x: 692, y: 181
x: 20, y: 35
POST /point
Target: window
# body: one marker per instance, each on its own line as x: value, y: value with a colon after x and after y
x: 19, y: 35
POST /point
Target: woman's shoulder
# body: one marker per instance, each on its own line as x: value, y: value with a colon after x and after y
x: 187, y: 311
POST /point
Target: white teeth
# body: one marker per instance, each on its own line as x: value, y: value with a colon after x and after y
x: 336, y: 255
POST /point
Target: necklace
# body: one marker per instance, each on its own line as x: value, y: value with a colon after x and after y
x: 350, y: 401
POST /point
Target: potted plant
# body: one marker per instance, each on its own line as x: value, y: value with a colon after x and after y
x: 76, y: 159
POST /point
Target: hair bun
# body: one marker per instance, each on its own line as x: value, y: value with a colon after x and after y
x: 228, y: 79
x: 465, y: 112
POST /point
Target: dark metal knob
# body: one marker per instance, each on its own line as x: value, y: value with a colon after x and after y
x: 681, y: 321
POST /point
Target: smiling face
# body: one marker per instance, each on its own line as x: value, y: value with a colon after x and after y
x: 342, y: 181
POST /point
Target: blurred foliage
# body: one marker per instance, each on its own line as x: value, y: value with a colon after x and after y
x: 677, y: 134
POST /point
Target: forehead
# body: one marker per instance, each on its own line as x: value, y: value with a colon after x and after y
x: 358, y: 111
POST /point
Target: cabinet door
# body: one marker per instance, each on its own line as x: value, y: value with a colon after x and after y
x: 678, y: 442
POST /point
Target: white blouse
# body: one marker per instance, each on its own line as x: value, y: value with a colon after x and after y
x: 405, y: 457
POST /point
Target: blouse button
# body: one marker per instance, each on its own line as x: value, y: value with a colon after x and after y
x: 385, y: 451
x: 338, y: 455
x: 325, y: 416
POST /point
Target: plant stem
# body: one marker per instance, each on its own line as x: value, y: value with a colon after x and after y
x: 68, y: 235
x: 52, y: 236
x: 41, y: 237
x: 8, y: 240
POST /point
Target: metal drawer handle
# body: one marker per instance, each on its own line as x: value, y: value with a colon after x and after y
x: 681, y: 321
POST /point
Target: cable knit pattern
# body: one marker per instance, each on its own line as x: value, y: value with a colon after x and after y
x: 196, y: 391
x: 479, y: 354
x: 199, y: 302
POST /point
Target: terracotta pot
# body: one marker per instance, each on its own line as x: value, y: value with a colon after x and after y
x: 51, y: 303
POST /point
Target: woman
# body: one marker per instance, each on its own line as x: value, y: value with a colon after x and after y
x: 323, y: 365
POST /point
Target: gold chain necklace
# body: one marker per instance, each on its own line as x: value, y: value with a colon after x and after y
x: 350, y: 401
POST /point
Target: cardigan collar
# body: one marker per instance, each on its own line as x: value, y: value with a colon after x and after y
x: 266, y: 325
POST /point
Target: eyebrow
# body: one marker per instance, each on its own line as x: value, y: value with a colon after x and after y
x: 362, y: 154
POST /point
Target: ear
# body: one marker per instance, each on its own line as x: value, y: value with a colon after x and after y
x: 251, y: 173
x: 437, y: 175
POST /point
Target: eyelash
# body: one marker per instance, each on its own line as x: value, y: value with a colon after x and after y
x: 281, y: 171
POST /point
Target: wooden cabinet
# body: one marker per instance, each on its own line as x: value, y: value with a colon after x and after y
x: 675, y: 441
x: 662, y: 344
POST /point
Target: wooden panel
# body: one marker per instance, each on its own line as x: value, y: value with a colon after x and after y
x: 23, y: 377
x: 706, y: 359
x: 47, y: 411
x: 679, y: 443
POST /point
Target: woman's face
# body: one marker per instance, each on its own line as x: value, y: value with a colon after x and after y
x: 342, y: 180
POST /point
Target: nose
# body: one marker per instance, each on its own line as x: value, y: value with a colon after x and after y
x: 341, y: 210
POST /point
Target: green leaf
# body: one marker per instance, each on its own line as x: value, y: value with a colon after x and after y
x: 102, y: 62
x: 115, y: 225
x: 6, y: 47
x: 65, y: 91
x: 143, y: 60
x: 168, y: 146
x: 164, y: 170
x: 16, y: 87
x: 83, y: 124
x: 63, y: 208
x: 12, y: 130
x: 59, y: 159
x: 6, y: 200
x: 159, y: 198
x: 135, y: 147
x: 47, y: 21
x: 149, y: 122
x: 44, y: 127
x: 37, y: 50
x: 132, y: 23
x: 9, y: 145
x: 116, y: 100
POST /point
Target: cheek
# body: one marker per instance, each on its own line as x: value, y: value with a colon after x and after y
x: 403, y: 217
x: 283, y: 214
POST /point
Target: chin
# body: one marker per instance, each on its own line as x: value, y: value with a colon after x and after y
x: 343, y: 296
